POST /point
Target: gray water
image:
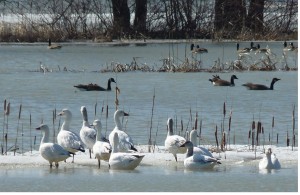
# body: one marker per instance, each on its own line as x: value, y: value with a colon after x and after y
x: 176, y: 95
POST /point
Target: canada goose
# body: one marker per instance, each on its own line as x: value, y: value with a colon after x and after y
x: 266, y: 51
x: 53, y: 46
x: 289, y: 47
x: 220, y: 82
x: 215, y: 77
x: 95, y: 87
x: 253, y: 48
x: 242, y: 51
x: 198, y: 50
x: 252, y: 86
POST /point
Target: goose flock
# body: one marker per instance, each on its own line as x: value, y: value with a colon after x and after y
x: 217, y: 81
x: 119, y: 151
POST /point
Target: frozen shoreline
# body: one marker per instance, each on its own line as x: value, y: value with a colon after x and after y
x: 238, y: 155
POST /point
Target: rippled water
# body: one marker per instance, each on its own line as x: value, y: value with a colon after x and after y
x: 177, y: 95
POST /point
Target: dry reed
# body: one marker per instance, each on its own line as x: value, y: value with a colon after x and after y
x: 150, y: 130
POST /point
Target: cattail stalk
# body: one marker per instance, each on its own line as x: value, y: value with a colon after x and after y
x: 294, y: 137
x: 273, y: 122
x: 30, y: 132
x: 216, y: 136
x: 200, y: 129
x: 53, y: 123
x: 3, y: 136
x: 150, y: 131
x: 19, y: 118
x: 253, y: 134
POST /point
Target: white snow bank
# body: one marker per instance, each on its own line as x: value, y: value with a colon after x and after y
x: 235, y: 155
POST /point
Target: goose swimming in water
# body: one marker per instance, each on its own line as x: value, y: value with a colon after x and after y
x: 215, y: 77
x: 95, y: 87
x: 125, y: 141
x: 198, y: 50
x: 53, y: 153
x: 196, y: 160
x: 69, y: 140
x: 53, y: 46
x: 198, y: 149
x: 269, y: 161
x: 101, y: 149
x: 173, y: 142
x: 123, y: 160
x: 242, y: 51
x: 252, y: 86
x: 220, y: 82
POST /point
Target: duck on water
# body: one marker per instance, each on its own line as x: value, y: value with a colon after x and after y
x: 95, y: 87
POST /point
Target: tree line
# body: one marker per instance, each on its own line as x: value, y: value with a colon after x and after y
x: 104, y: 20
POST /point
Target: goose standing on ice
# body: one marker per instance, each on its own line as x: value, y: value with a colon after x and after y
x: 196, y: 160
x: 95, y: 87
x: 101, y: 149
x: 51, y: 152
x: 123, y: 160
x: 173, y: 142
x: 53, y: 46
x: 69, y: 140
x: 125, y: 141
x: 269, y: 161
x: 87, y: 134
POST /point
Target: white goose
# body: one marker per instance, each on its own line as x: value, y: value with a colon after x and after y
x: 101, y: 148
x: 197, y: 161
x: 50, y: 151
x: 198, y: 149
x: 269, y: 161
x: 123, y: 160
x: 87, y: 134
x: 125, y: 141
x: 69, y: 140
x: 173, y: 142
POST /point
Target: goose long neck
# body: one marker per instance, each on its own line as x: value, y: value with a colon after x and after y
x: 84, y: 117
x: 118, y: 122
x: 98, y: 135
x: 190, y: 150
x: 193, y: 137
x: 115, y: 143
x: 108, y: 85
x: 49, y: 42
x: 232, y: 81
x: 66, y: 124
x: 170, y: 127
x: 45, y: 138
x: 272, y: 85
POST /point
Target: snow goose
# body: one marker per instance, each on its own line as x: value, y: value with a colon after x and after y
x: 197, y: 160
x: 50, y: 151
x: 269, y: 161
x: 173, y: 142
x: 95, y: 87
x: 101, y: 148
x: 87, y: 134
x: 198, y: 149
x: 69, y: 140
x: 123, y: 160
x: 125, y: 141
